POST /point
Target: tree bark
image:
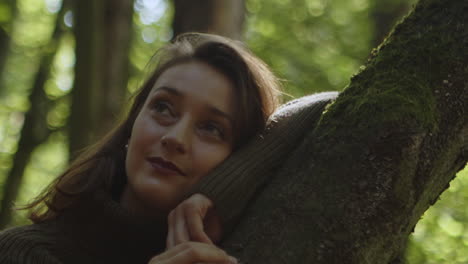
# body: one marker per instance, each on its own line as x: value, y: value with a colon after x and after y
x: 358, y: 183
x: 103, y: 34
x: 35, y: 129
x: 222, y: 17
x: 83, y: 115
x: 384, y: 14
x: 117, y: 39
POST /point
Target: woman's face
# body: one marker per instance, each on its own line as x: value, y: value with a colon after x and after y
x: 184, y: 130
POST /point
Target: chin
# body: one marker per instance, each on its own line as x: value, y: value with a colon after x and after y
x: 160, y: 199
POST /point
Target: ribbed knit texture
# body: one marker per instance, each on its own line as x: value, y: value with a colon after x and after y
x: 98, y: 230
x: 233, y: 184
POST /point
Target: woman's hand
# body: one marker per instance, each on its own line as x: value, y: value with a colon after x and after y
x: 193, y: 220
x: 193, y: 252
x: 193, y: 230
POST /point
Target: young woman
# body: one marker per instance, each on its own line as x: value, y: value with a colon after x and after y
x: 124, y: 200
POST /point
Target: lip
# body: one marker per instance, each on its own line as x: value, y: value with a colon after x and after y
x: 165, y: 167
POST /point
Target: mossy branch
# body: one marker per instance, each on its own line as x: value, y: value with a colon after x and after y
x: 354, y: 189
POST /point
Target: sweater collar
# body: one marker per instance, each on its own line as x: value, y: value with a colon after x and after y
x: 107, y: 231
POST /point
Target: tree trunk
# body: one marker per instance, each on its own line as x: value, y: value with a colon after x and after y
x: 35, y: 129
x: 117, y: 39
x: 103, y: 33
x: 83, y: 116
x: 384, y: 14
x: 356, y: 186
x: 222, y: 17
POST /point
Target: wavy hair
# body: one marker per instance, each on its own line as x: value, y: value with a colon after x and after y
x: 101, y: 166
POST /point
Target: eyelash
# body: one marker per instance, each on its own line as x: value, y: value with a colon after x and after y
x: 165, y: 106
x: 161, y: 105
x: 210, y: 125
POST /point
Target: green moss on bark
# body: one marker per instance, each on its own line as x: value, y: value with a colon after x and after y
x: 388, y: 146
x: 375, y: 138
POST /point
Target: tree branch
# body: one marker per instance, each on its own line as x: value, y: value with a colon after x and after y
x: 355, y: 188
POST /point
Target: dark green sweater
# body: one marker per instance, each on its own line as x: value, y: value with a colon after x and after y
x: 99, y: 230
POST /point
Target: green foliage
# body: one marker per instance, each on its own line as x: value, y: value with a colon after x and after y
x: 5, y: 13
x: 441, y: 236
x: 151, y: 31
x: 47, y: 161
x: 31, y: 32
x: 315, y: 45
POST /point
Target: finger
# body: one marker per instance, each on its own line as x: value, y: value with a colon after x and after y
x: 194, y: 251
x: 169, y: 253
x: 181, y: 233
x: 170, y: 231
x: 194, y: 220
x: 201, y: 252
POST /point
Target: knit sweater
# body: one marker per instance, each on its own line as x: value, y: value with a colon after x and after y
x: 99, y: 230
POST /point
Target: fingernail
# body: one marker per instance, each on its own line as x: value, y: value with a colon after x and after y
x: 233, y: 260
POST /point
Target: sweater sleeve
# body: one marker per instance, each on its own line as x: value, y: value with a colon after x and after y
x: 20, y: 246
x: 233, y: 183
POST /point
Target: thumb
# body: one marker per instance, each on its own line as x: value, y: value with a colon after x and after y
x: 197, y: 209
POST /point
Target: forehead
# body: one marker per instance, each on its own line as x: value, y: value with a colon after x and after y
x: 200, y: 83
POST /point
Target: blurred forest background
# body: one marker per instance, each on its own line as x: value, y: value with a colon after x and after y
x: 68, y: 67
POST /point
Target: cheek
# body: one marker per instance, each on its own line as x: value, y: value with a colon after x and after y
x: 145, y: 132
x: 144, y: 135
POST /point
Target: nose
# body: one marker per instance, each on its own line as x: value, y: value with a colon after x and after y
x: 177, y: 137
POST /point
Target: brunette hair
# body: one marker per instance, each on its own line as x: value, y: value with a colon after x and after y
x: 101, y: 166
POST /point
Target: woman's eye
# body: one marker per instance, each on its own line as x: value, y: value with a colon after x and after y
x: 213, y: 130
x: 162, y: 107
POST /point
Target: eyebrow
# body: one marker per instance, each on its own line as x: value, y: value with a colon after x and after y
x: 211, y: 108
x: 169, y: 90
x: 216, y: 111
